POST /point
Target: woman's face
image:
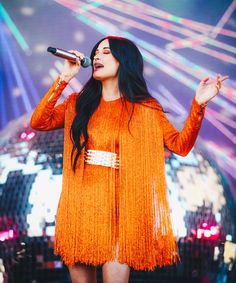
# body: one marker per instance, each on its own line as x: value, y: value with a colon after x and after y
x: 105, y: 66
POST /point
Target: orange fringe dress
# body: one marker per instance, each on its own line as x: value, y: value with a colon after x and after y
x: 106, y: 213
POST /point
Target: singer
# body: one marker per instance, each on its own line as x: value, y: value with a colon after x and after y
x: 113, y: 209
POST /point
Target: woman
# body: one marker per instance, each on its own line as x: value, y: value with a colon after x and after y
x: 113, y: 209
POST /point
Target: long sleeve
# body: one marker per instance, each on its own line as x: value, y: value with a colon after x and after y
x: 182, y: 142
x: 46, y: 116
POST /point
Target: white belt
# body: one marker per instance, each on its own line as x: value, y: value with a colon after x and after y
x: 103, y: 158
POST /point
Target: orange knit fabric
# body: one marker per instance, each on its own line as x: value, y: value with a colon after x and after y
x: 102, y: 207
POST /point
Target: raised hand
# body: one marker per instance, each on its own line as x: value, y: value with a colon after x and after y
x: 70, y: 69
x: 209, y: 88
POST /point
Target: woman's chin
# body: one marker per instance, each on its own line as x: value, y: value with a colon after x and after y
x: 98, y: 77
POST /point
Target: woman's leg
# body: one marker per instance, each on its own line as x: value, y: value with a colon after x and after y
x: 81, y: 273
x: 115, y: 272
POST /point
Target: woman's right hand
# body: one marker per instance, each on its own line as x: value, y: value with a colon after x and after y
x: 70, y: 69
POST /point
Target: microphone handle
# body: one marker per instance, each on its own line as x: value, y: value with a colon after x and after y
x: 66, y: 55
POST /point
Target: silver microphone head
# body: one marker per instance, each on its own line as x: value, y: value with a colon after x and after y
x: 85, y: 62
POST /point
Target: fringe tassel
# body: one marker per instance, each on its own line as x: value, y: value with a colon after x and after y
x: 146, y: 233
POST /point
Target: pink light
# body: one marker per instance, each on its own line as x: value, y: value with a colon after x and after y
x: 23, y: 135
x: 207, y: 233
x: 199, y: 233
x: 6, y: 235
x: 11, y: 234
x: 30, y: 136
x: 27, y: 136
x: 167, y: 153
x: 211, y: 233
x: 214, y: 230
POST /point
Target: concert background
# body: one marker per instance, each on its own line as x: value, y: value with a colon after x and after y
x: 181, y: 42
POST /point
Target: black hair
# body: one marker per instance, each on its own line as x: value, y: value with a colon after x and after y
x: 131, y: 83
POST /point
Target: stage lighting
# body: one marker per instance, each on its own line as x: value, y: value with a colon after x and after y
x: 208, y: 232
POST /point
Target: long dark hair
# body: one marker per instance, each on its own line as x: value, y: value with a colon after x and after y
x: 132, y: 87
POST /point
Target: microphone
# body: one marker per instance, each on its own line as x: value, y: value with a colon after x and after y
x: 85, y: 62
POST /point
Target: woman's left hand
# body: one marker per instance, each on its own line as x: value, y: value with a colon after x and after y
x: 208, y: 89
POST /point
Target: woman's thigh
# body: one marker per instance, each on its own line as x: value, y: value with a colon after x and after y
x: 81, y: 273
